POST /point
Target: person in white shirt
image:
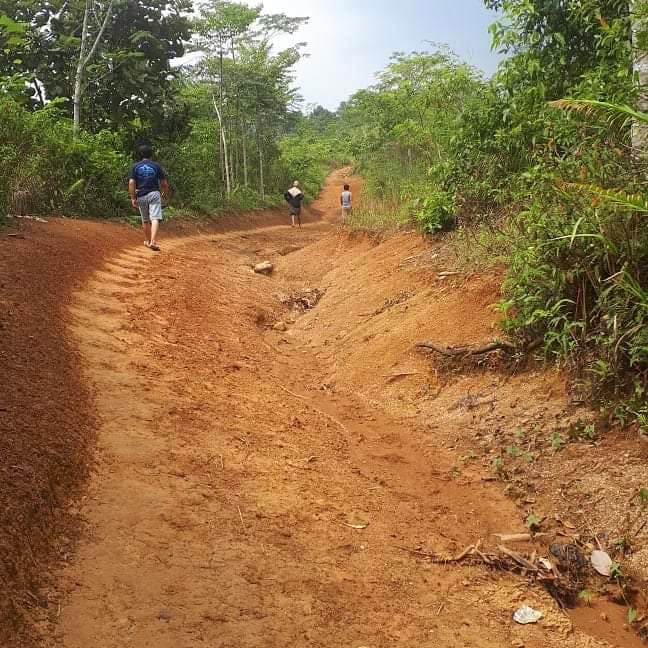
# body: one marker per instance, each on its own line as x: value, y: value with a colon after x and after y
x: 345, y: 201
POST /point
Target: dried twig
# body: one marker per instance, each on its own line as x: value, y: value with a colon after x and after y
x: 518, y: 537
x: 440, y: 559
x: 516, y: 557
x: 241, y: 518
x: 468, y: 550
x: 402, y: 374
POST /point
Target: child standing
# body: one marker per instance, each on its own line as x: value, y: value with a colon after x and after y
x: 345, y: 201
x: 294, y: 196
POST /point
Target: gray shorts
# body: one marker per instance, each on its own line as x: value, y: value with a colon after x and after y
x: 295, y: 211
x: 150, y: 207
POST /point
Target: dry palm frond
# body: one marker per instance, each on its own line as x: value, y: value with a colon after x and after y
x: 617, y: 115
x: 634, y: 202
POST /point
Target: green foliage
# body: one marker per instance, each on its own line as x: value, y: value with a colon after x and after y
x: 12, y: 35
x: 643, y: 496
x: 586, y: 596
x: 617, y: 116
x: 554, y: 48
x: 377, y: 216
x: 533, y: 522
x: 579, y: 252
x: 435, y: 212
x: 401, y: 131
x: 513, y: 451
x: 242, y: 91
x: 51, y: 171
x: 243, y: 99
x: 129, y: 86
x: 577, y: 279
x: 616, y: 570
x: 557, y: 441
x: 498, y: 465
x: 305, y: 157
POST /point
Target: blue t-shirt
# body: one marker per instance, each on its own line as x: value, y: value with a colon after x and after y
x: 147, y: 175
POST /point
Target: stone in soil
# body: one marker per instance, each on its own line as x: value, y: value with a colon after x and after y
x: 265, y: 268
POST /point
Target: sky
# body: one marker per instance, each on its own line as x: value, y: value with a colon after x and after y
x: 348, y: 41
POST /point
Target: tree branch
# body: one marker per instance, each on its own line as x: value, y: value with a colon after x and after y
x: 93, y: 49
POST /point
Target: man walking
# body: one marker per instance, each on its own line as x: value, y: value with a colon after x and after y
x: 294, y: 196
x: 147, y: 184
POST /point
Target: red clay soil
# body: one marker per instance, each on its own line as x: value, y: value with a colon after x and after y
x: 264, y: 476
x: 47, y: 420
x: 47, y: 414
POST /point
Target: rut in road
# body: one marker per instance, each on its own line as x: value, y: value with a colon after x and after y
x: 239, y: 500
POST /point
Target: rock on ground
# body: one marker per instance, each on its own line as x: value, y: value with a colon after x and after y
x: 265, y: 268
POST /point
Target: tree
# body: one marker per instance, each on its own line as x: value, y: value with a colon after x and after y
x: 87, y: 49
x: 554, y: 47
x: 127, y: 82
x: 220, y: 25
x: 235, y: 40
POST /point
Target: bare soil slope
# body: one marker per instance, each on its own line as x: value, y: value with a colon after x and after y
x: 47, y: 425
x: 266, y: 476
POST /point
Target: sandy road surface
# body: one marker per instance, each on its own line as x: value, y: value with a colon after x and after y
x: 242, y: 499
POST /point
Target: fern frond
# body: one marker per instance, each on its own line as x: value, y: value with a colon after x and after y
x: 616, y: 115
x: 634, y: 202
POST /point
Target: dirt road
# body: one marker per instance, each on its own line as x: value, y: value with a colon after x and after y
x: 254, y: 486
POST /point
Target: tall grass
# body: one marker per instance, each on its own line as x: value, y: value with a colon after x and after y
x: 376, y: 215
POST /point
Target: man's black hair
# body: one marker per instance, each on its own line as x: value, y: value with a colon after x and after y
x: 144, y: 152
x: 346, y: 187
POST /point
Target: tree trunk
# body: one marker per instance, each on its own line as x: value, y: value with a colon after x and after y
x: 84, y: 59
x: 228, y: 185
x: 222, y: 157
x: 244, y: 154
x: 640, y: 25
x: 78, y: 77
x: 233, y: 161
x: 36, y: 85
x: 228, y: 188
x: 261, y: 178
x: 260, y: 151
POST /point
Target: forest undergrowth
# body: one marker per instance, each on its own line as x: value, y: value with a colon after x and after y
x: 540, y: 168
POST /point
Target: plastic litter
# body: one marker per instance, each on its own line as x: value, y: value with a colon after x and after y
x: 601, y: 562
x: 527, y: 614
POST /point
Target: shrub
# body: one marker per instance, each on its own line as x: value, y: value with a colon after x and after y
x: 51, y: 171
x: 435, y: 212
x: 578, y: 279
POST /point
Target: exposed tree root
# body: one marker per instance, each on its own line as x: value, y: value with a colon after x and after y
x: 478, y: 349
